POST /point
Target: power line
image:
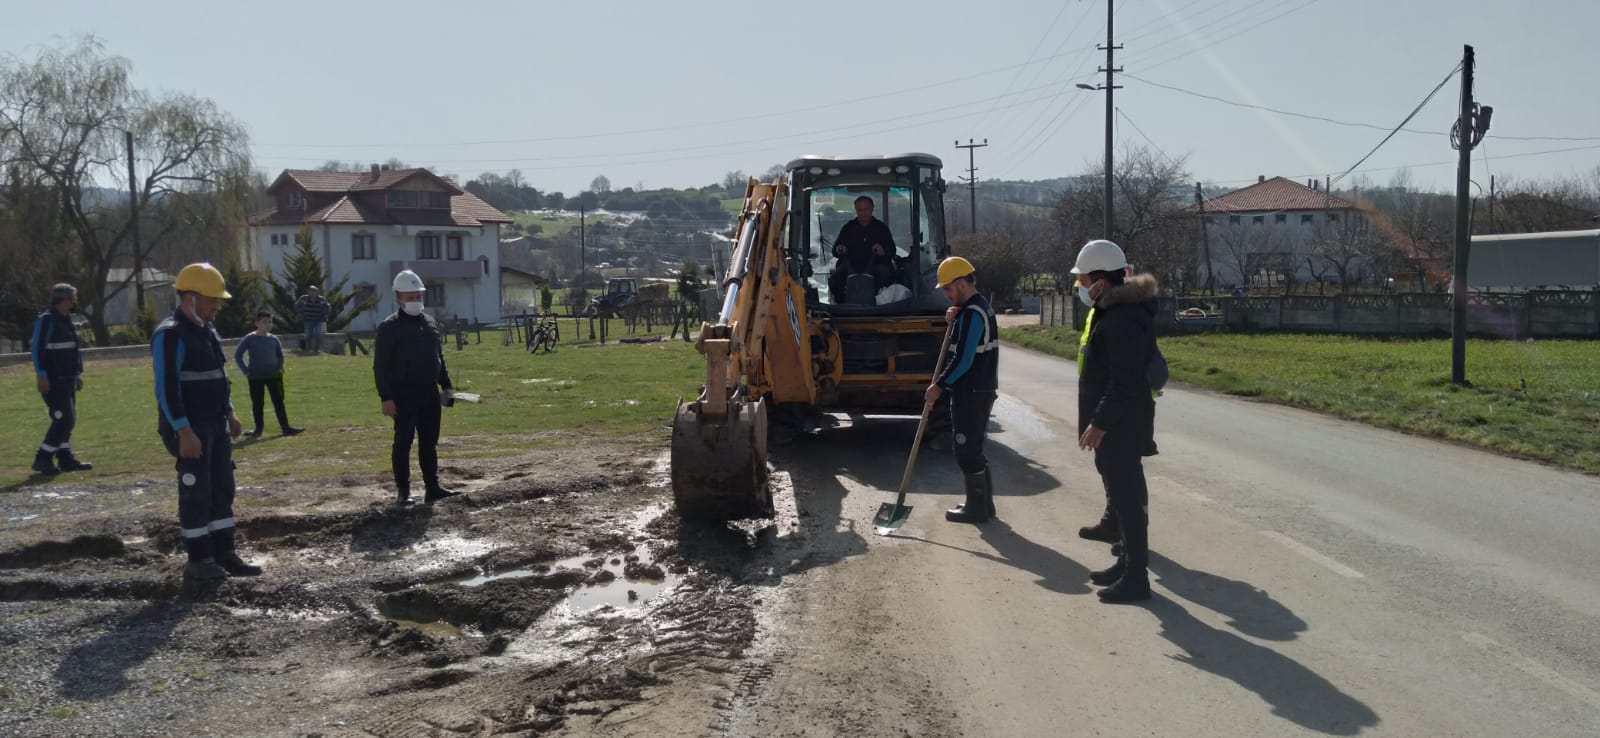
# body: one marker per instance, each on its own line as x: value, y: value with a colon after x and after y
x: 1240, y: 32
x: 1006, y: 120
x: 983, y: 124
x: 1422, y: 165
x: 1325, y: 119
x: 1408, y: 118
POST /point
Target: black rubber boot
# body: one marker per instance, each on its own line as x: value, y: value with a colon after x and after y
x: 436, y: 493
x: 988, y: 495
x: 202, y: 565
x: 1126, y: 589
x: 228, y: 558
x: 43, y: 464
x: 1134, y: 584
x: 976, y: 508
x: 68, y: 462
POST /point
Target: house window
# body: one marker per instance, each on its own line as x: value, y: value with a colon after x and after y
x: 1233, y: 220
x: 1307, y: 219
x: 436, y: 200
x: 402, y: 198
x: 1281, y: 218
x: 434, y: 297
x: 452, y: 248
x: 297, y: 200
x: 428, y: 247
x: 1259, y: 219
x: 1333, y: 217
x: 363, y: 247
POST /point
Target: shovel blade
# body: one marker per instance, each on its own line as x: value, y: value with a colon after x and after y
x: 889, y: 518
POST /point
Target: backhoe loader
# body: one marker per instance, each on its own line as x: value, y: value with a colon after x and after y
x: 786, y: 347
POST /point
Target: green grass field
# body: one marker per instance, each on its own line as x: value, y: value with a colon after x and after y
x: 1402, y: 384
x: 578, y: 392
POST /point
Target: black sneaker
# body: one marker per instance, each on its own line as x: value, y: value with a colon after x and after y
x: 204, y: 569
x: 293, y: 431
x: 1107, y: 576
x: 252, y: 433
x: 434, y: 494
x: 68, y: 463
x: 45, y: 466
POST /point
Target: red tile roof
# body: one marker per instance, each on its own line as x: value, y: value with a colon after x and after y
x: 1273, y: 195
x: 466, y: 209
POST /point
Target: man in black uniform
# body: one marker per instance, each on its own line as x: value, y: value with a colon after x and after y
x: 864, y: 245
x: 412, y: 383
x: 58, y: 364
x: 197, y: 423
x: 971, y: 375
x: 1116, y: 414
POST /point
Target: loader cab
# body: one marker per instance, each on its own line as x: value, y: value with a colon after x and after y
x: 907, y: 192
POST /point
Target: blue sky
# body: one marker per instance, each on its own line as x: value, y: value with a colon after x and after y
x: 677, y: 93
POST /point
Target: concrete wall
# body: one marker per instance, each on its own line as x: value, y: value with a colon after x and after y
x: 1537, y: 314
x: 332, y: 343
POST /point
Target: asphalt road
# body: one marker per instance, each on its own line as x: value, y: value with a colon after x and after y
x: 1312, y: 576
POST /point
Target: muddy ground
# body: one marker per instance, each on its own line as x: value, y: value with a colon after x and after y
x: 559, y: 596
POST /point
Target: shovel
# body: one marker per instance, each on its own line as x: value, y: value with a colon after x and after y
x: 891, y: 517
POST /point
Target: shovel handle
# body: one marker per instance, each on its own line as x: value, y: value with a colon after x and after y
x: 922, y: 425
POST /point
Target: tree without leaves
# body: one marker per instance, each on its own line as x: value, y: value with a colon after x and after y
x: 1148, y: 197
x: 63, y: 116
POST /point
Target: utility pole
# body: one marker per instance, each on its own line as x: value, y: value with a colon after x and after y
x: 1205, y: 239
x: 133, y: 226
x: 1493, y: 226
x: 1471, y: 126
x: 972, y: 176
x: 1109, y: 85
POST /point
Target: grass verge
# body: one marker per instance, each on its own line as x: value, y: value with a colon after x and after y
x: 529, y: 401
x: 1537, y: 400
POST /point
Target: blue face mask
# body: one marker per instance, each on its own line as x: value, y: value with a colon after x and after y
x: 1083, y: 296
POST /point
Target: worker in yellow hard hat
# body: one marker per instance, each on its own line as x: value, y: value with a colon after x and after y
x: 971, y: 377
x: 197, y: 423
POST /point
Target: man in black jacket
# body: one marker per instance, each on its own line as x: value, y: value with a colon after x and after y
x: 58, y: 364
x: 1116, y: 414
x: 865, y: 245
x: 413, y: 383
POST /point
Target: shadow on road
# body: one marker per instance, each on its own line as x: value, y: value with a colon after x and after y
x: 1055, y: 571
x: 99, y: 668
x: 1296, y: 693
x: 1249, y: 610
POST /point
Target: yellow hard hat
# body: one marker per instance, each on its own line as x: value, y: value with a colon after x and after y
x: 202, y: 278
x: 954, y: 268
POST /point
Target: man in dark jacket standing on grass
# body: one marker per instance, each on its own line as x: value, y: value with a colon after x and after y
x: 58, y: 366
x: 413, y: 383
x: 265, y: 372
x: 313, y: 310
x: 1116, y: 413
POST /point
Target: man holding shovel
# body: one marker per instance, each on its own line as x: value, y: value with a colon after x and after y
x: 971, y: 376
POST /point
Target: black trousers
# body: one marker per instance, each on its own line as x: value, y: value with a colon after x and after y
x: 1120, y: 462
x: 417, y: 412
x: 969, y: 414
x: 62, y: 402
x: 273, y: 386
x: 205, y: 487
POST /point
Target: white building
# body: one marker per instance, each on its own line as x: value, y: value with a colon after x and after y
x: 1279, y: 228
x: 371, y: 225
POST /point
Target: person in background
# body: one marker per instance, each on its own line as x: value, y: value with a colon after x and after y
x: 260, y: 358
x: 58, y: 366
x: 313, y: 310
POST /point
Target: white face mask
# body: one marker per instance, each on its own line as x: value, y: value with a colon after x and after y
x: 1083, y: 295
x: 412, y: 308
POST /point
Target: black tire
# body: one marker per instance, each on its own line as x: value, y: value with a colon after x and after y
x: 549, y: 343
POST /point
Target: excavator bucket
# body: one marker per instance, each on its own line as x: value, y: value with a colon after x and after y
x: 719, y: 464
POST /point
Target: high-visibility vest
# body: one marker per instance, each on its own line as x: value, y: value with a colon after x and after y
x: 1083, y: 339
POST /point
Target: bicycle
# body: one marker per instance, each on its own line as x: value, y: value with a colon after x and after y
x: 544, y: 335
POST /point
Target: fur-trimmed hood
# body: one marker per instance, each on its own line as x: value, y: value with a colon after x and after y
x: 1133, y: 290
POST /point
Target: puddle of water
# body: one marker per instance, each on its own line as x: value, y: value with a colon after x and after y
x: 437, y: 629
x: 306, y: 616
x: 609, y: 583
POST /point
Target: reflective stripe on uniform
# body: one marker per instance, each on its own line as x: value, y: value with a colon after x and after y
x: 188, y: 376
x: 194, y: 532
x: 49, y: 449
x: 62, y: 345
x: 222, y: 524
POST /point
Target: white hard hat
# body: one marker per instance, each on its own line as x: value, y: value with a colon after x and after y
x: 408, y: 281
x: 1100, y: 256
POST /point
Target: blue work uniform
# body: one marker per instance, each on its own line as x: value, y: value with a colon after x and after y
x: 57, y: 356
x: 192, y: 391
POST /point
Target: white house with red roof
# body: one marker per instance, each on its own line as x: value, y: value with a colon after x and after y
x: 371, y: 225
x: 1273, y: 226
